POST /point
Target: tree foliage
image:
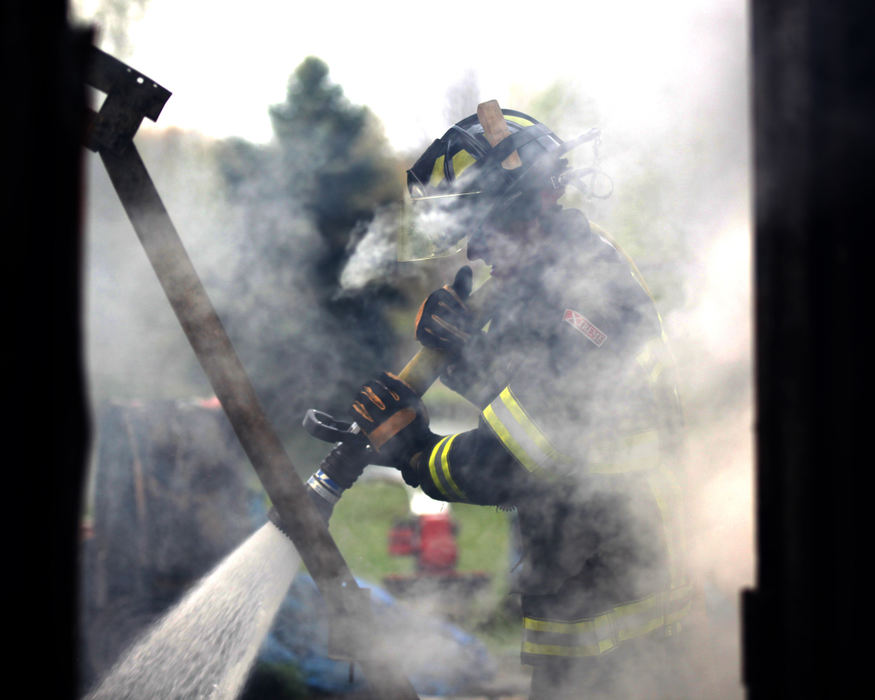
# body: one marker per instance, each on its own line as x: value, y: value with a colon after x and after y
x: 335, y: 161
x: 302, y: 203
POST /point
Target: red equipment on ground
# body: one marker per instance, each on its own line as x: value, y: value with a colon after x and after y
x: 430, y: 538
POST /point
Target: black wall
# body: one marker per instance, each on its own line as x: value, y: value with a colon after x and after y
x: 807, y: 624
x: 45, y: 429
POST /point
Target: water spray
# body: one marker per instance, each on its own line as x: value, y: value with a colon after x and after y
x: 205, y: 645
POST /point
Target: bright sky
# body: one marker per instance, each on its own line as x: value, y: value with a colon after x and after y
x: 226, y: 62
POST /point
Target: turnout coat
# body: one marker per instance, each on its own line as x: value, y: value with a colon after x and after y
x: 579, y: 433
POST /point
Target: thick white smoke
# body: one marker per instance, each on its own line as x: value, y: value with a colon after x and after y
x: 679, y: 207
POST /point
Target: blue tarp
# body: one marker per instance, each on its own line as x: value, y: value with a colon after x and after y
x: 439, y: 658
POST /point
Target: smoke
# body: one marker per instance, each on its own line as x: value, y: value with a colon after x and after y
x: 679, y: 208
x: 712, y: 343
x: 204, y: 647
x: 113, y: 19
x: 704, y: 290
x: 460, y: 97
x: 374, y: 250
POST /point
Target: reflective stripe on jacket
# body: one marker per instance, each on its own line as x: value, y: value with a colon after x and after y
x: 578, y: 431
x: 660, y: 613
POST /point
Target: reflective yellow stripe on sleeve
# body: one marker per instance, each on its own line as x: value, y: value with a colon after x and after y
x: 520, y: 435
x: 439, y: 470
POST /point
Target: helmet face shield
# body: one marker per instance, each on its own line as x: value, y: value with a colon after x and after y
x: 437, y: 227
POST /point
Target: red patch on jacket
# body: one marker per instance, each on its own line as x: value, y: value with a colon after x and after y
x: 583, y: 325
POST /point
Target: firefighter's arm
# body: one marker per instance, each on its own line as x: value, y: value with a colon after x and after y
x: 470, y: 467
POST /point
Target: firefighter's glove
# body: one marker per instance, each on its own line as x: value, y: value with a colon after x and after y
x: 394, y: 419
x: 444, y: 321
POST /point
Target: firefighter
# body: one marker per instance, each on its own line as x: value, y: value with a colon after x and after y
x: 579, y: 415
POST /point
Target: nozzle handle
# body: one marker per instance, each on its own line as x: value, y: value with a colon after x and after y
x: 325, y: 427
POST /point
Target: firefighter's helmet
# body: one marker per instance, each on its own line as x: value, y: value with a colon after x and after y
x: 461, y: 178
x: 462, y: 163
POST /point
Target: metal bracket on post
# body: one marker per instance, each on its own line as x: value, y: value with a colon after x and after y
x: 130, y: 97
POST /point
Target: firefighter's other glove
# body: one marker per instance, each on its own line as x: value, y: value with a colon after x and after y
x: 444, y: 321
x: 394, y: 419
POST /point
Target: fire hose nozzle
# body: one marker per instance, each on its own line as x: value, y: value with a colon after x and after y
x: 325, y: 427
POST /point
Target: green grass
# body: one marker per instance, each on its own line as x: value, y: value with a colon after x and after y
x: 362, y: 519
x: 360, y: 526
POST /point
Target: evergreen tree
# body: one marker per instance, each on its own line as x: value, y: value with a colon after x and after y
x: 302, y: 204
x: 335, y: 160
